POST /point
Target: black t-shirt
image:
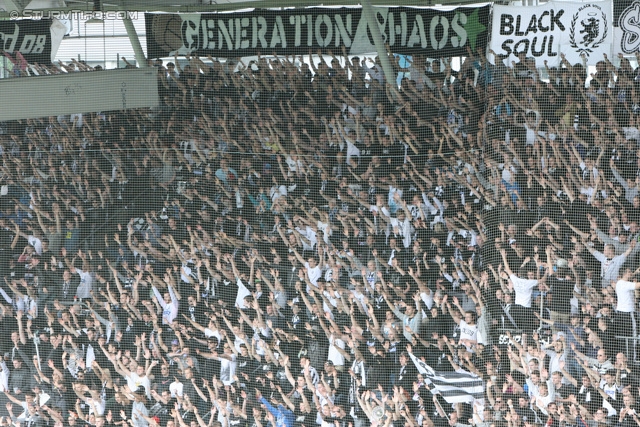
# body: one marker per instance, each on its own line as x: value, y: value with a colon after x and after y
x: 343, y: 383
x: 236, y: 420
x: 196, y: 313
x: 378, y: 370
x: 346, y: 421
x: 525, y: 413
x: 6, y: 237
x: 163, y: 383
x: 304, y: 419
x: 188, y: 416
x: 129, y: 333
x: 590, y: 398
x: 291, y: 348
x: 562, y: 292
x: 566, y: 390
x: 161, y: 411
x: 628, y: 377
x: 246, y: 364
x: 114, y: 407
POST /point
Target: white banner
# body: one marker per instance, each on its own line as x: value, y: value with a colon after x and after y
x: 69, y: 93
x: 545, y: 31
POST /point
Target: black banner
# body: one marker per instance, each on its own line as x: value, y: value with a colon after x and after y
x: 434, y: 33
x: 32, y: 38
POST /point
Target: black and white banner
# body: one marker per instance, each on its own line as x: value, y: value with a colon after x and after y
x: 619, y: 7
x: 545, y: 31
x: 455, y: 387
x: 32, y: 38
x: 627, y: 34
x: 435, y: 33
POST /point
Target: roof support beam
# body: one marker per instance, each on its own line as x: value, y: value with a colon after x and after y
x: 383, y: 55
x: 14, y: 5
x: 135, y: 42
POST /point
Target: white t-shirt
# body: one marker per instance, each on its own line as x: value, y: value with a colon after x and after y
x: 227, y: 369
x: 625, y: 292
x: 314, y: 273
x: 86, y: 284
x: 331, y: 301
x: 238, y: 342
x: 468, y: 332
x: 427, y: 299
x: 4, y: 377
x: 242, y: 292
x: 524, y: 289
x: 542, y: 402
x: 185, y: 273
x: 310, y: 235
x: 610, y: 268
x: 610, y: 390
x: 134, y: 381
x: 294, y: 165
x: 36, y: 243
x: 211, y: 333
x: 352, y: 151
x: 334, y: 355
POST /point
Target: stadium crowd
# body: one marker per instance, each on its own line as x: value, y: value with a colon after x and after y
x: 293, y: 243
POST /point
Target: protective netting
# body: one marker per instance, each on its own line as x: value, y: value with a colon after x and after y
x: 293, y: 241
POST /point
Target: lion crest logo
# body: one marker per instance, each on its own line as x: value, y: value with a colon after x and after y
x: 589, y: 30
x: 594, y: 30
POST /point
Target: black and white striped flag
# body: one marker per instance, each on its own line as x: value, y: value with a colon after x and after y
x: 455, y: 387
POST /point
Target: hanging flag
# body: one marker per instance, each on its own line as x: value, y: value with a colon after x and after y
x: 30, y: 37
x: 456, y: 387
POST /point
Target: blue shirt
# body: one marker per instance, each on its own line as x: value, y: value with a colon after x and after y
x: 284, y: 417
x: 513, y: 189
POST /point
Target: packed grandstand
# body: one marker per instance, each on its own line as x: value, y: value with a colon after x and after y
x: 293, y: 242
